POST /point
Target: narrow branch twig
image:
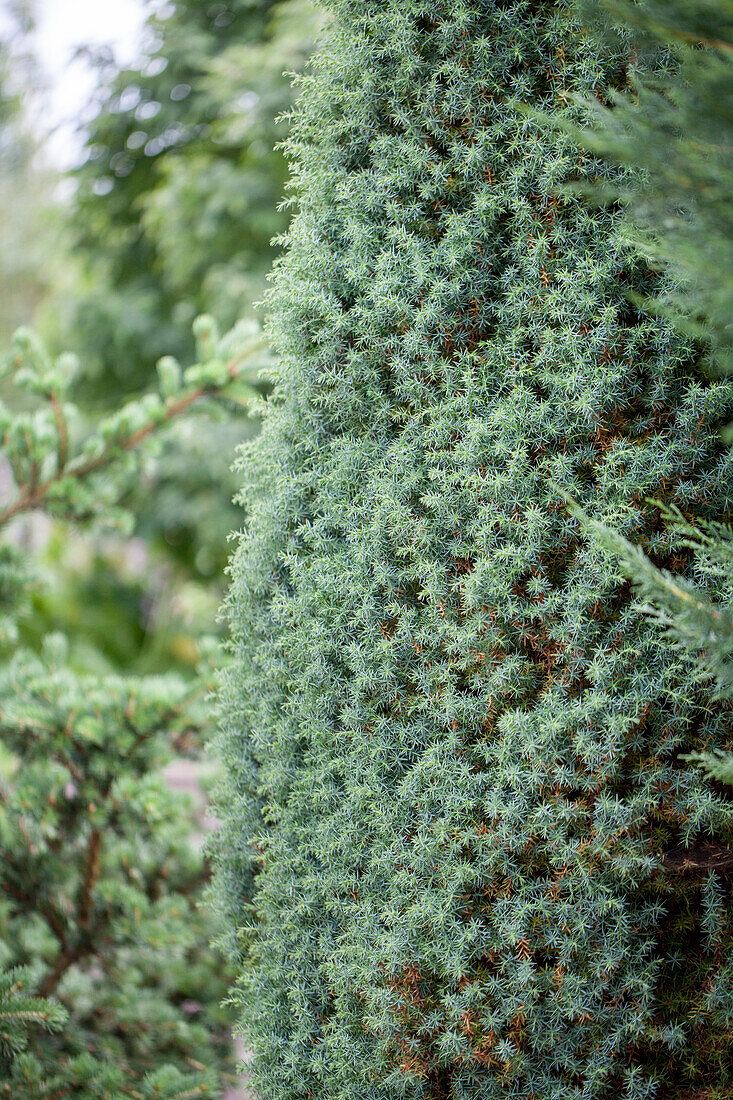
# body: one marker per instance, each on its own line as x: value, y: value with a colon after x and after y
x: 35, y: 493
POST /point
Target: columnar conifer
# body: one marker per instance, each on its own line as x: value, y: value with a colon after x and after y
x: 463, y: 849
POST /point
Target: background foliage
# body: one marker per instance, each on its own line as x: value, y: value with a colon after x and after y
x: 109, y: 985
x: 176, y: 204
x: 101, y: 878
x: 676, y: 127
x: 178, y: 196
x: 25, y: 186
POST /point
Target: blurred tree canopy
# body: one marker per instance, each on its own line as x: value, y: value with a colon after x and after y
x: 25, y: 184
x: 173, y: 212
x: 674, y: 125
x: 178, y: 197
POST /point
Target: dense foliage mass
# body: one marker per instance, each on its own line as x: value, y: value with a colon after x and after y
x: 464, y: 851
x: 102, y: 887
x: 108, y: 985
x: 677, y: 127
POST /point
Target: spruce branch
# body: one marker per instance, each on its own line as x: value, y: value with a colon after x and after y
x: 120, y: 434
x: 21, y: 1011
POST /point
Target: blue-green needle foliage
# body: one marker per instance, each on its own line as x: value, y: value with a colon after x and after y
x: 19, y: 1011
x: 464, y: 853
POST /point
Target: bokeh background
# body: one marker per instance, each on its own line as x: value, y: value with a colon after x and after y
x: 140, y: 187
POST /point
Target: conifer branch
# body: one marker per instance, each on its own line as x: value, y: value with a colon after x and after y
x: 35, y: 494
x: 90, y: 875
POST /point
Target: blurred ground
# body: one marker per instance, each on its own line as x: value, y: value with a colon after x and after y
x: 185, y: 776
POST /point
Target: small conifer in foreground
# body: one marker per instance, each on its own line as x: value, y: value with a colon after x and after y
x: 109, y: 988
x: 464, y: 851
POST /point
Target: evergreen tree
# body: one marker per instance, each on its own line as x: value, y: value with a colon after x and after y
x: 18, y: 1011
x: 174, y: 213
x: 109, y: 989
x: 464, y: 854
x: 101, y: 887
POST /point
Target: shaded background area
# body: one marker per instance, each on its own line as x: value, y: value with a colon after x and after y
x: 169, y: 213
x: 140, y: 186
x: 165, y: 208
